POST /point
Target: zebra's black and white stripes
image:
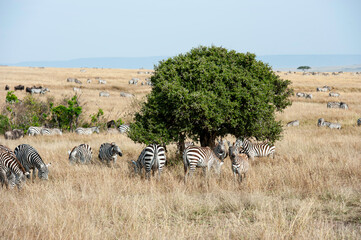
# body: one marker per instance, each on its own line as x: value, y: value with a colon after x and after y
x: 256, y: 149
x: 203, y: 157
x: 124, y: 128
x: 30, y: 159
x: 11, y: 170
x: 108, y: 152
x: 82, y: 154
x: 220, y: 149
x: 87, y: 131
x: 239, y: 162
x: 151, y: 158
x: 51, y: 131
x: 34, y: 131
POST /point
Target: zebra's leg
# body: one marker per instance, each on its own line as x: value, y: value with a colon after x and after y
x: 34, y: 173
x: 147, y: 174
x: 4, y: 179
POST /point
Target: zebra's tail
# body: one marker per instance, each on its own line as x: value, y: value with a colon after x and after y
x: 136, y: 167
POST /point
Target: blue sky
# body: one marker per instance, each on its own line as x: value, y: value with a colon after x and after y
x: 34, y: 30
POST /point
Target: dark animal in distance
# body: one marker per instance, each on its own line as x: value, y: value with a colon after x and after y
x: 14, y: 134
x: 7, y: 87
x: 19, y: 87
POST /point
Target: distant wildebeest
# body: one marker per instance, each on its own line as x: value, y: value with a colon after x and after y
x: 77, y: 81
x: 333, y: 94
x: 337, y: 105
x: 104, y: 94
x: 110, y: 124
x: 14, y: 134
x: 7, y: 87
x: 19, y: 87
x: 321, y: 123
x: 359, y: 122
x: 100, y: 81
x: 294, y: 123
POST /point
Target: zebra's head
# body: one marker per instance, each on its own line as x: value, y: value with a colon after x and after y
x: 96, y: 129
x: 44, y: 172
x: 116, y: 149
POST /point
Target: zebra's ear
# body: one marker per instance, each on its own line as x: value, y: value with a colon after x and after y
x: 27, y: 173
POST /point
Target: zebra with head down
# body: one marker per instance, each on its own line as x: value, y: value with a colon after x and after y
x: 87, y: 131
x: 108, y: 152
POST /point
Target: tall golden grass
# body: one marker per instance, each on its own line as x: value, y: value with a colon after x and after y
x: 311, y: 190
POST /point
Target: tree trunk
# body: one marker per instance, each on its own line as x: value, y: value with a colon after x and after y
x: 207, y: 139
x: 181, y: 145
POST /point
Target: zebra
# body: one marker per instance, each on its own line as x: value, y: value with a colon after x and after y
x: 108, y: 152
x: 256, y: 149
x: 239, y: 162
x: 321, y: 123
x: 30, y: 159
x: 87, y: 131
x: 100, y: 81
x: 337, y: 105
x: 124, y: 128
x: 104, y: 94
x: 294, y: 123
x: 203, y: 157
x: 220, y: 150
x: 333, y: 94
x: 151, y: 158
x: 9, y: 170
x: 34, y: 131
x: 51, y: 131
x: 82, y: 153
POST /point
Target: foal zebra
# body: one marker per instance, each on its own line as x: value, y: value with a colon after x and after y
x: 30, y: 159
x: 239, y: 162
x: 108, y: 152
x: 82, y: 153
x: 87, y: 131
x: 203, y: 157
x: 151, y: 158
x: 256, y: 149
x: 34, y: 131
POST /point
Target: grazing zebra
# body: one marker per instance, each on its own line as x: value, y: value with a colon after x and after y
x: 220, y: 150
x: 151, y: 158
x: 333, y: 94
x: 30, y: 159
x: 124, y: 128
x: 239, y: 162
x: 34, y: 131
x: 294, y: 123
x: 104, y: 94
x: 87, y: 131
x: 256, y: 149
x: 203, y: 157
x: 51, y: 131
x: 82, y: 154
x: 108, y: 152
x: 9, y: 170
x: 337, y: 105
x: 321, y: 123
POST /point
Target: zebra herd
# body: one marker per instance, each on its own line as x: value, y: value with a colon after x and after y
x: 15, y: 166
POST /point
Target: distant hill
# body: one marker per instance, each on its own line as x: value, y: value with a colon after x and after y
x: 330, y: 63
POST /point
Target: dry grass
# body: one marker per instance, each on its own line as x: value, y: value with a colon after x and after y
x: 311, y: 190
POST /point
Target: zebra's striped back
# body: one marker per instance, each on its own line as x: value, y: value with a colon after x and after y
x: 239, y: 161
x: 108, y: 152
x: 51, y: 131
x: 220, y: 150
x: 152, y: 158
x: 256, y: 149
x: 34, y: 131
x: 124, y: 128
x: 87, y: 131
x: 30, y: 159
x: 82, y: 154
x: 203, y: 157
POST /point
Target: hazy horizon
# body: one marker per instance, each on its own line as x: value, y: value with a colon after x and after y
x: 39, y: 30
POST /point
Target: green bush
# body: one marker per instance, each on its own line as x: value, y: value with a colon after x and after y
x: 4, y: 124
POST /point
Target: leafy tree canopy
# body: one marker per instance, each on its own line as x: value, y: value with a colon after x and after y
x: 210, y: 92
x: 304, y: 67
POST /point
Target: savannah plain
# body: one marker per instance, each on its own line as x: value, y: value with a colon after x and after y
x: 310, y: 190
